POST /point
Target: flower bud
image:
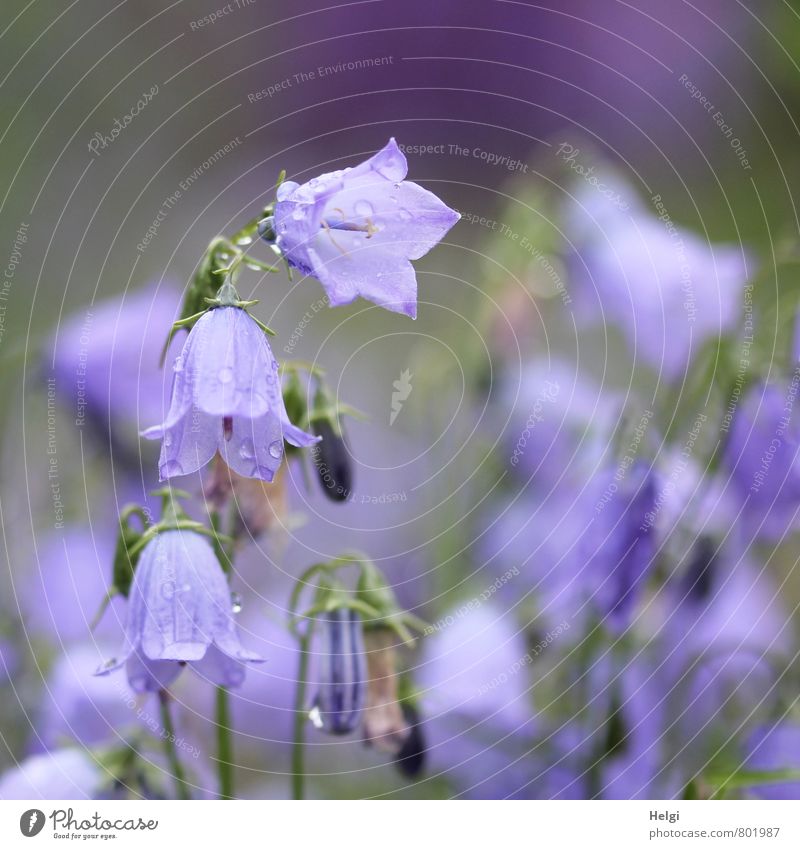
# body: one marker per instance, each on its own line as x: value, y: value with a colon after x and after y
x: 342, y: 673
x: 385, y: 726
x: 332, y: 461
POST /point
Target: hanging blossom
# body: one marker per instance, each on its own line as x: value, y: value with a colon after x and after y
x: 355, y: 230
x: 180, y: 612
x: 226, y: 397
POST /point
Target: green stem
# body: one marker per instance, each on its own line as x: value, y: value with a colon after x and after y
x: 224, y: 745
x: 300, y: 718
x: 169, y: 747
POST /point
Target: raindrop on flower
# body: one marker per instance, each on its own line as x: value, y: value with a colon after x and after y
x: 247, y: 450
x: 276, y: 449
x: 236, y: 603
x: 225, y: 375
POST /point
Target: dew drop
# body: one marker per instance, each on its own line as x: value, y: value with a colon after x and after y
x: 236, y: 603
x: 178, y: 366
x: 225, y: 375
x: 168, y: 590
x: 167, y: 439
x: 276, y: 449
x: 247, y: 450
x: 109, y: 664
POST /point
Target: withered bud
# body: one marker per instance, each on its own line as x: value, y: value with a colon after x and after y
x: 385, y: 726
x: 410, y: 760
x: 257, y: 506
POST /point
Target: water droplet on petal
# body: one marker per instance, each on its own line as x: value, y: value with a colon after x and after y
x: 168, y: 439
x: 298, y: 214
x: 276, y: 449
x: 178, y: 365
x: 404, y: 215
x: 109, y: 664
x: 236, y: 603
x: 247, y: 451
x: 363, y: 208
x: 225, y: 375
x: 168, y: 590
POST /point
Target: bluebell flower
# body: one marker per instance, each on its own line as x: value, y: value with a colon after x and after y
x: 355, y: 230
x: 226, y: 397
x: 180, y: 612
x: 342, y: 673
x: 666, y: 288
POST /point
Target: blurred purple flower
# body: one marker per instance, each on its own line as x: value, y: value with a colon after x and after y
x: 763, y: 455
x: 619, y: 544
x: 63, y: 587
x: 226, y: 397
x: 62, y: 774
x: 108, y: 354
x: 79, y: 707
x: 770, y: 748
x: 355, y: 230
x: 725, y: 637
x: 179, y: 612
x: 475, y: 680
x: 667, y: 289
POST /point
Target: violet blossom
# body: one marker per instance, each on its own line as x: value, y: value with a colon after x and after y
x: 180, y: 612
x: 226, y: 397
x: 357, y: 229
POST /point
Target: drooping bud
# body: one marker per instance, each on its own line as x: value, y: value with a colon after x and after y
x: 385, y: 726
x: 257, y: 507
x: 331, y: 455
x: 342, y: 673
x: 332, y: 461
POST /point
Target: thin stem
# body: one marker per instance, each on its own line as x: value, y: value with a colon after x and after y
x: 300, y: 718
x: 224, y: 745
x: 169, y: 747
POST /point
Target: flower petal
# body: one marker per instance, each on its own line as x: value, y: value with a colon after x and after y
x: 188, y: 444
x: 255, y: 448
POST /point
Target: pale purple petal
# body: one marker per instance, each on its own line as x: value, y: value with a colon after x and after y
x: 150, y: 676
x: 188, y: 444
x: 355, y: 230
x: 255, y: 448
